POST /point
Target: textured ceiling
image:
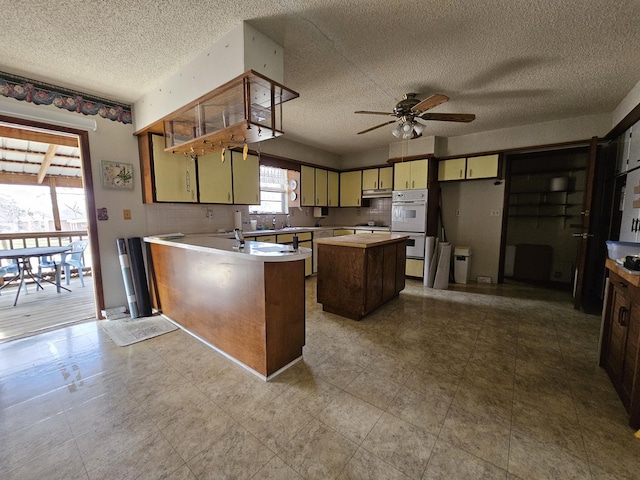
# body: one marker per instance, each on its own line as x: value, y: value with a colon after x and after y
x: 510, y: 62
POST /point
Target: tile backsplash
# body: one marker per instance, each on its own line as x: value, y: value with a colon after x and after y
x: 187, y: 218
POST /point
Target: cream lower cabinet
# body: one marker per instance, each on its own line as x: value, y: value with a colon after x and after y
x: 333, y: 189
x: 410, y: 175
x: 308, y: 262
x: 415, y: 268
x: 214, y: 178
x: 174, y: 175
x: 246, y: 179
x: 351, y: 189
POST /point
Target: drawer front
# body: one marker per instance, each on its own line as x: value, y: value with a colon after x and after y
x: 304, y: 236
x: 266, y: 238
x: 285, y: 238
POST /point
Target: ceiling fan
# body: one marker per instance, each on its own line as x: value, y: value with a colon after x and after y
x: 410, y: 108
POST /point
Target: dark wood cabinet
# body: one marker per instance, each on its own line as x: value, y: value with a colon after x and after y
x: 621, y: 339
x: 358, y: 273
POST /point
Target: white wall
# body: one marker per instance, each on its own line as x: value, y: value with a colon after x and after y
x: 628, y: 103
x: 546, y: 133
x: 114, y: 141
x: 474, y: 226
x: 365, y: 159
x: 285, y: 148
x: 243, y: 48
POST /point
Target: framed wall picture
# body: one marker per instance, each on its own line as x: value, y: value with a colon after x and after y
x: 117, y: 175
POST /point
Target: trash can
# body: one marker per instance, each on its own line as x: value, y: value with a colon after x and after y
x: 462, y: 264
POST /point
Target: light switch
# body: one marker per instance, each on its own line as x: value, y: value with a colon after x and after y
x: 126, y: 214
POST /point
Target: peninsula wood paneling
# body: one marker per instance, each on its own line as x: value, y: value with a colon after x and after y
x: 251, y: 310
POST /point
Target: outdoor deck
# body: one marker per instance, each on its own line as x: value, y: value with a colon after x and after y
x: 44, y: 309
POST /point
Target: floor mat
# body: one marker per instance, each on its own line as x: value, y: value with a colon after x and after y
x: 133, y: 330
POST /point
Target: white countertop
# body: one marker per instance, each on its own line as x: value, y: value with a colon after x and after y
x: 214, y: 243
x: 282, y: 231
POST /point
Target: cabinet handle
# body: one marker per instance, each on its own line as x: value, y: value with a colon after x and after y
x: 228, y: 196
x: 375, y: 184
x: 381, y: 182
x: 622, y: 285
x: 623, y: 317
x: 358, y: 202
x: 460, y: 173
x: 471, y: 172
x: 406, y: 184
x: 413, y: 184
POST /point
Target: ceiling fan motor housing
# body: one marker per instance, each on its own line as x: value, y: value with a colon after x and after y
x: 404, y: 106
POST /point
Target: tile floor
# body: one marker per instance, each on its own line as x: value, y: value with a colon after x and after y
x: 477, y: 382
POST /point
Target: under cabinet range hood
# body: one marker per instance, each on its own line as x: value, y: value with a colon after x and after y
x: 377, y: 193
x: 248, y: 109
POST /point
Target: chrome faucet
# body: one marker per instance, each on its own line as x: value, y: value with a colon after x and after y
x: 288, y: 220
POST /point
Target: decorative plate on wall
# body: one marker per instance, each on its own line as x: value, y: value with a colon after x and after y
x: 117, y: 175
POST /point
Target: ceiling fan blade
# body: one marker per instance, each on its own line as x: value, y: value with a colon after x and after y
x: 377, y: 126
x: 375, y: 113
x: 449, y: 117
x: 430, y: 102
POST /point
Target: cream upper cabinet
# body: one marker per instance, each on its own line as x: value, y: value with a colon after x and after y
x: 452, y: 169
x: 214, y: 178
x: 321, y: 187
x: 246, y: 179
x: 485, y: 166
x: 401, y: 176
x: 351, y: 188
x: 174, y: 175
x: 385, y: 177
x: 307, y: 186
x: 333, y: 189
x: 410, y: 175
x: 370, y: 179
x: 376, y: 178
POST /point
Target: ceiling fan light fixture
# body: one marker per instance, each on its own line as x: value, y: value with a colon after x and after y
x: 397, y: 131
x: 418, y: 128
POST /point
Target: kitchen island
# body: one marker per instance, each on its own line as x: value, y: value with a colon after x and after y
x: 358, y: 273
x: 247, y: 303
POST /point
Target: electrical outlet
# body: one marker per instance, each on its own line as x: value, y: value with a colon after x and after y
x: 126, y: 214
x: 495, y: 213
x: 457, y: 213
x: 482, y: 279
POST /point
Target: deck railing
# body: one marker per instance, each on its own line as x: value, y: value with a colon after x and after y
x: 10, y: 241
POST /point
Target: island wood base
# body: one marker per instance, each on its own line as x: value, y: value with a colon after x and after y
x: 253, y: 311
x: 359, y: 273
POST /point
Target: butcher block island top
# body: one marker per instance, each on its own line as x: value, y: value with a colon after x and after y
x: 363, y: 240
x: 247, y: 303
x: 359, y: 273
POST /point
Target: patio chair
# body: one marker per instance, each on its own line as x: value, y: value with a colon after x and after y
x: 11, y: 268
x: 72, y: 258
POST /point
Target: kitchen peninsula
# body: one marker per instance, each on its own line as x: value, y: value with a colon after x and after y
x: 248, y: 303
x: 358, y: 273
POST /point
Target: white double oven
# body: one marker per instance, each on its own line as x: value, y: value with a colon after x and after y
x: 409, y: 217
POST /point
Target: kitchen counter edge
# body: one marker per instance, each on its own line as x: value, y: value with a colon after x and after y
x: 212, y: 243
